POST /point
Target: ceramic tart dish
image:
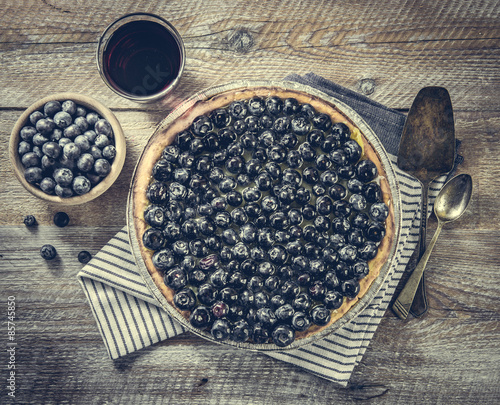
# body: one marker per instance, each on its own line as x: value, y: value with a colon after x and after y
x: 263, y: 215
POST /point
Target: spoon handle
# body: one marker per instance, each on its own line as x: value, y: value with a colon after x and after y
x: 419, y: 305
x: 403, y: 303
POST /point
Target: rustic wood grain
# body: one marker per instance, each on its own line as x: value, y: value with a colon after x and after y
x: 388, y: 52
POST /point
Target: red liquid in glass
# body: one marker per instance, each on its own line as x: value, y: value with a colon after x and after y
x: 142, y: 58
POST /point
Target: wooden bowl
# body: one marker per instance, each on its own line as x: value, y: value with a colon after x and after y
x: 91, y: 104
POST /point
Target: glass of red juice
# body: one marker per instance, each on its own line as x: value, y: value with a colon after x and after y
x: 141, y: 57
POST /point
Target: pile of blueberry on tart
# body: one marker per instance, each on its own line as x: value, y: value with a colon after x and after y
x: 66, y: 149
x: 262, y: 215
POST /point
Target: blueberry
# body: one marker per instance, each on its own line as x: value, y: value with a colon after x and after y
x: 84, y: 257
x: 308, y: 212
x: 153, y: 239
x: 200, y: 317
x: 185, y: 299
x: 367, y: 251
x: 39, y: 139
x: 81, y: 185
x: 45, y: 126
x: 109, y: 152
x: 350, y: 288
x: 207, y: 294
x: 52, y: 107
x: 69, y: 106
x: 324, y: 205
x: 102, y: 167
x: 23, y: 148
x: 62, y: 119
x: 221, y: 330
x: 63, y: 176
x: 36, y: 116
x: 366, y: 171
x: 56, y: 135
x: 48, y: 252
x: 358, y: 202
x: 163, y: 259
x: 101, y: 141
x: 375, y: 232
x: 341, y: 132
x: 289, y: 289
x: 196, y: 247
x: 71, y: 151
x: 337, y: 192
x: 27, y: 133
x: 341, y: 208
x: 320, y: 315
x: 248, y: 233
x: 92, y: 117
x: 333, y: 300
x: 234, y: 198
x: 322, y: 121
x: 157, y: 193
x: 81, y: 123
x: 352, y: 150
x: 300, y: 321
x: 379, y: 211
x: 72, y: 131
x: 252, y: 124
x: 274, y: 105
x: 103, y: 127
x: 307, y: 152
x: 303, y: 196
x: 300, y: 125
x: 323, y: 162
x: 241, y: 331
x: 281, y: 125
x: 235, y: 164
x: 223, y: 219
x: 30, y: 220
x: 348, y: 253
x: 372, y: 192
x: 220, y: 117
x: 238, y: 109
x: 85, y: 162
x: 51, y: 149
x: 30, y: 159
x: 283, y: 335
x: 338, y: 157
x: 266, y: 316
x: 317, y: 290
x: 260, y: 333
x: 95, y: 152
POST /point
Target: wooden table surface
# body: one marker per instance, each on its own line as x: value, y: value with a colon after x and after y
x: 387, y: 50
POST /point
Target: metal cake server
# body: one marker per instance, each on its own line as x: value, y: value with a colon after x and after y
x: 426, y: 151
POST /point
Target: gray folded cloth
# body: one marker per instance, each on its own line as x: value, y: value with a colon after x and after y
x: 129, y: 317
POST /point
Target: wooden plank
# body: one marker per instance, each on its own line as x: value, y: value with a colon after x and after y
x: 448, y: 46
x: 60, y: 348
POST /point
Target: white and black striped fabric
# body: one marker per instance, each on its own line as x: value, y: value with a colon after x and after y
x: 129, y: 319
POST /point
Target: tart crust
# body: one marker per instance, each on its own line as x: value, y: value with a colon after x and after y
x: 165, y: 136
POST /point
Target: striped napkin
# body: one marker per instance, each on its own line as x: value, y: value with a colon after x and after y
x: 129, y: 319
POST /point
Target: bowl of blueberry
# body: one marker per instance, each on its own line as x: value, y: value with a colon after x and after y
x: 67, y: 148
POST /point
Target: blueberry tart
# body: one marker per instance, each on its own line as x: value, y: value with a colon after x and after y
x: 262, y: 215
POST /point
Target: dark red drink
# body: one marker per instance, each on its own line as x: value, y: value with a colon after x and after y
x: 142, y: 58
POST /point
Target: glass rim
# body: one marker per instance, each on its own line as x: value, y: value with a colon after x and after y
x: 108, y: 33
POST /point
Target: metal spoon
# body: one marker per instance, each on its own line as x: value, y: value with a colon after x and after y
x: 450, y: 204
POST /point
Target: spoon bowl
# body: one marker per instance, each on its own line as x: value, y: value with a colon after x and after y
x: 450, y: 204
x: 453, y: 199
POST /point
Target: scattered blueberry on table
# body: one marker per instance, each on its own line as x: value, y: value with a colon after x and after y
x: 48, y: 252
x: 61, y: 219
x: 84, y: 257
x: 66, y: 149
x: 30, y: 220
